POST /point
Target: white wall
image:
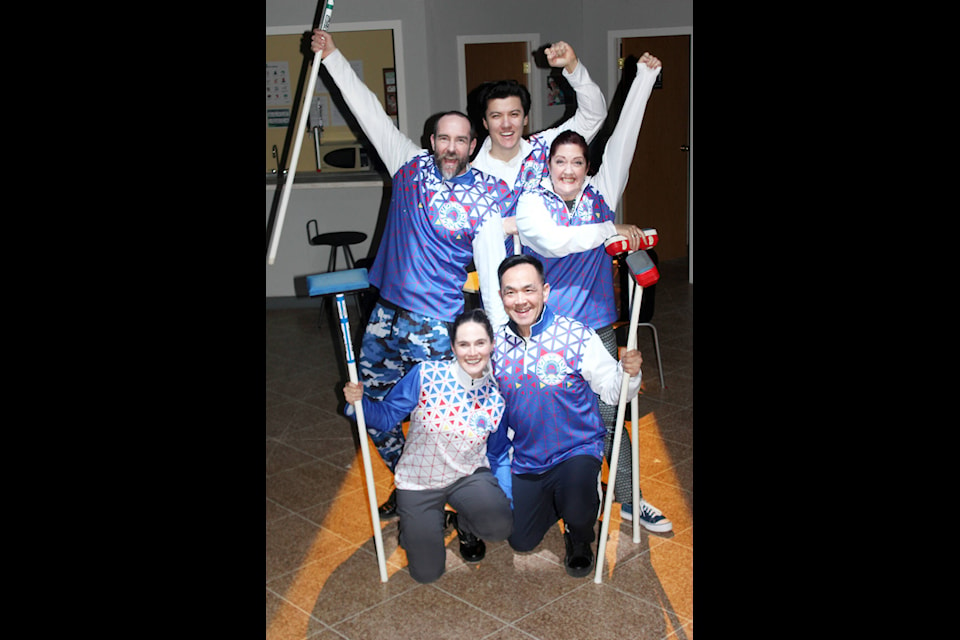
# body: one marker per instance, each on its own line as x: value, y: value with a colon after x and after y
x: 344, y: 207
x: 430, y: 30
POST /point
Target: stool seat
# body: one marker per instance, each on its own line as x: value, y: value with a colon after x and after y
x: 335, y: 240
x: 338, y: 238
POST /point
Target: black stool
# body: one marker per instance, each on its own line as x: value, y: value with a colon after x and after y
x: 335, y: 240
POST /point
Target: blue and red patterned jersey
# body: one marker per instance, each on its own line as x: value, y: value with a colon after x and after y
x: 451, y: 417
x: 545, y: 381
x: 428, y: 239
x: 581, y: 284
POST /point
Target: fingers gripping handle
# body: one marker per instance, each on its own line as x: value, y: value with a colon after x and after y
x: 619, y: 244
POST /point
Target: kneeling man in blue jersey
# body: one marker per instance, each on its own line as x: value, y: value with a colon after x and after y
x: 550, y: 369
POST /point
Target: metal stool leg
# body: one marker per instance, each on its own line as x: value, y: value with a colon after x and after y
x: 656, y: 347
x: 332, y: 266
x: 348, y: 256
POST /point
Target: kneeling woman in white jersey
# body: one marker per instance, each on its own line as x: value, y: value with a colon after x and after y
x: 455, y: 407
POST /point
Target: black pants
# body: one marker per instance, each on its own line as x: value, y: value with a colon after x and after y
x: 482, y: 509
x: 570, y: 490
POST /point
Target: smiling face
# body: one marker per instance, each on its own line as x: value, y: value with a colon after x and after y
x: 524, y: 294
x: 472, y: 347
x: 504, y: 120
x: 568, y: 170
x: 452, y: 145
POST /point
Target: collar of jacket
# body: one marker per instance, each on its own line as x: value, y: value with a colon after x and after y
x: 545, y: 320
x: 464, y: 378
x: 466, y: 178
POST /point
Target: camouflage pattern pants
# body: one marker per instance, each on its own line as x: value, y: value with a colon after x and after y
x: 394, y: 341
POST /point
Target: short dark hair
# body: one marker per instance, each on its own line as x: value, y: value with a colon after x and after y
x: 477, y: 315
x: 440, y: 116
x: 512, y: 261
x: 571, y: 137
x: 505, y: 89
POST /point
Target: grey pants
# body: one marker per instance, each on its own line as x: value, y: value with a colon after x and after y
x: 623, y: 487
x: 482, y: 509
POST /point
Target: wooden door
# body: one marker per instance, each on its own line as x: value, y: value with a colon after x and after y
x: 491, y: 61
x: 656, y: 194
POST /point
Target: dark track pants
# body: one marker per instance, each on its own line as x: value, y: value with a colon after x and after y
x: 482, y: 509
x: 570, y: 490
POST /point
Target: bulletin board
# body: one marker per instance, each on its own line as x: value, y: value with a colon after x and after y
x: 370, y: 54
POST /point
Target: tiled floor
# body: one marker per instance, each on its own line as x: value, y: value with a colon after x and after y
x: 323, y: 578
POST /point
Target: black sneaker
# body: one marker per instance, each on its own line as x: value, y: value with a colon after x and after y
x: 472, y: 548
x: 388, y: 509
x: 579, y: 559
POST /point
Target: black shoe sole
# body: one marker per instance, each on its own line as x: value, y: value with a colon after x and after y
x: 576, y: 572
x: 388, y: 509
x: 579, y: 572
x: 469, y: 552
x: 477, y: 556
x: 387, y: 514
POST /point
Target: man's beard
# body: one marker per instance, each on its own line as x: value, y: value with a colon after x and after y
x: 457, y: 170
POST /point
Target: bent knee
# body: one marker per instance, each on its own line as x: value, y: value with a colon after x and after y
x: 426, y: 577
x: 521, y: 546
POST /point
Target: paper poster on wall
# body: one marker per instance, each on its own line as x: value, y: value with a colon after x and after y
x: 555, y: 93
x: 278, y: 117
x: 278, y: 83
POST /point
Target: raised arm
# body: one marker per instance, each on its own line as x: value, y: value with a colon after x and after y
x: 394, y: 148
x: 591, y: 105
x: 611, y: 178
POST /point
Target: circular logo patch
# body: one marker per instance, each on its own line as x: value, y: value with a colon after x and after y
x: 551, y: 369
x: 452, y: 216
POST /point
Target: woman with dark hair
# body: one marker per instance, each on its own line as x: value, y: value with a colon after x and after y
x: 454, y: 406
x: 565, y: 222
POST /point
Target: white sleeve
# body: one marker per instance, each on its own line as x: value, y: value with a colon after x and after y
x: 394, y: 148
x: 591, y: 108
x: 489, y: 251
x: 605, y: 374
x: 540, y: 232
x: 611, y: 178
x: 591, y: 105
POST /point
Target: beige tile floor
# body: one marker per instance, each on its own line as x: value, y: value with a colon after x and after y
x: 323, y: 579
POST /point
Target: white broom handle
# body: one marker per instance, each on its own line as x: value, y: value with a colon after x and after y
x: 635, y: 451
x: 291, y: 172
x: 615, y: 454
x: 635, y: 455
x: 364, y: 446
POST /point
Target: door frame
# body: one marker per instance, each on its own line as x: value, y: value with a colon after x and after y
x: 613, y: 77
x: 536, y: 78
x: 400, y: 66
